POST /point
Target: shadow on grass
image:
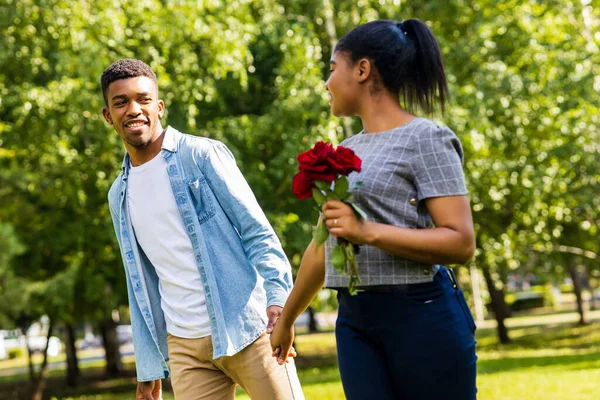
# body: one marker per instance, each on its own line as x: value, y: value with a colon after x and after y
x: 543, y: 336
x: 91, y: 382
x: 571, y: 362
x: 313, y: 370
x: 316, y: 361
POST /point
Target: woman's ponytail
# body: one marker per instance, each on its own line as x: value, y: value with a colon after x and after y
x: 427, y: 72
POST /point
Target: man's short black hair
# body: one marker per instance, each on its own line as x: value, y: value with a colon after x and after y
x: 124, y: 69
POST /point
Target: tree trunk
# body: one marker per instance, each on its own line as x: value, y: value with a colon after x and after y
x: 313, y: 327
x: 24, y: 324
x: 593, y: 288
x: 499, y: 307
x: 476, y: 290
x: 577, y: 289
x: 72, y: 362
x: 30, y: 362
x: 108, y: 329
x: 41, y: 382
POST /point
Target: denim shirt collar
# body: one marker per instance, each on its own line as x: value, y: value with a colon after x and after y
x: 170, y: 143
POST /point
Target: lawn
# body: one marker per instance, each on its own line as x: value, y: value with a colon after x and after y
x: 549, y: 358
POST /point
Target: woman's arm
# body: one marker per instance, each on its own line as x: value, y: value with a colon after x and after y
x: 309, y: 281
x: 452, y: 241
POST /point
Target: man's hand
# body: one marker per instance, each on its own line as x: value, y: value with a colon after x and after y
x: 273, y: 313
x: 281, y: 343
x: 151, y: 390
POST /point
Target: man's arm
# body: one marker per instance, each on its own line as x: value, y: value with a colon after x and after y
x: 260, y: 242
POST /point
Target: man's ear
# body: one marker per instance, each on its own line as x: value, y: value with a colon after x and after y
x: 363, y: 69
x: 161, y: 108
x: 106, y: 115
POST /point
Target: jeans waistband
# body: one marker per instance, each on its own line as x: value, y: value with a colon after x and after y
x: 386, y: 288
x: 403, y: 287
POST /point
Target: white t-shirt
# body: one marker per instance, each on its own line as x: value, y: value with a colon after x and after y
x: 161, y: 233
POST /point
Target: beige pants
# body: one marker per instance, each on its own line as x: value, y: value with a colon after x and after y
x: 195, y: 375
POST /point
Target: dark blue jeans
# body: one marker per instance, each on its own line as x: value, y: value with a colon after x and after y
x: 416, y: 343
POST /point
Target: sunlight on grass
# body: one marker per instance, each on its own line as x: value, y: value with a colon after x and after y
x: 540, y: 384
x: 548, y: 359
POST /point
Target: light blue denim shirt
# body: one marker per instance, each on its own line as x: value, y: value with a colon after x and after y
x: 240, y: 259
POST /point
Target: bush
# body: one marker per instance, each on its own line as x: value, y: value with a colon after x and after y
x: 526, y: 301
x: 566, y: 288
x: 15, y: 353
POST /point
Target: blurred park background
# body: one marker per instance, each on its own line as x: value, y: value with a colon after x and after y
x: 524, y: 78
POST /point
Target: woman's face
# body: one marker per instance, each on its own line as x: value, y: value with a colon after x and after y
x: 342, y: 86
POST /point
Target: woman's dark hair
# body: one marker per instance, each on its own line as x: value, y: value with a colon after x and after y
x: 406, y: 57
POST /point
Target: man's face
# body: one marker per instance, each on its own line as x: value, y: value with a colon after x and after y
x: 134, y: 110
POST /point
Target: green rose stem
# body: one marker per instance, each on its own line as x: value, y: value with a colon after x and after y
x: 343, y: 254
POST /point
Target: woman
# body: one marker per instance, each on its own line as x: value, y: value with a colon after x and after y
x: 408, y: 333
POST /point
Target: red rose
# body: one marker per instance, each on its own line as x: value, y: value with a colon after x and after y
x: 302, y: 185
x: 322, y: 163
x: 345, y: 161
x: 317, y: 158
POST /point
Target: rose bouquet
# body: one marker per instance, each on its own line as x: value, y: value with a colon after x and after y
x: 323, y: 176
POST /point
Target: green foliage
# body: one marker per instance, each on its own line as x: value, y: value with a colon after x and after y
x: 523, y: 79
x: 11, y: 287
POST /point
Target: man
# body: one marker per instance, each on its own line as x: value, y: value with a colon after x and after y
x: 197, y: 250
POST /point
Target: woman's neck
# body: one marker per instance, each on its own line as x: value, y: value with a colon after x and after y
x: 383, y: 113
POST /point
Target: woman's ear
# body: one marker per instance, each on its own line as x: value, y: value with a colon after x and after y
x: 363, y: 69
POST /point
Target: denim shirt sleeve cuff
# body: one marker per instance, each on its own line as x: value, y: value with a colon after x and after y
x: 164, y: 375
x: 276, y: 297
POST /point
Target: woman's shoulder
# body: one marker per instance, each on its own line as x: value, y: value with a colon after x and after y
x: 434, y: 139
x: 425, y: 128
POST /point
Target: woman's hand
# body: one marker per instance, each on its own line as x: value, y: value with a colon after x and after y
x: 342, y: 221
x: 281, y: 342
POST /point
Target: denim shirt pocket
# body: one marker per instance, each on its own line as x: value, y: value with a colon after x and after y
x: 202, y: 199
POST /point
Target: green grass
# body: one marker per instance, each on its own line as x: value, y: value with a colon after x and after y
x: 549, y: 359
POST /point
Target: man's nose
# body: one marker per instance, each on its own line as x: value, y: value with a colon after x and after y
x: 134, y: 108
